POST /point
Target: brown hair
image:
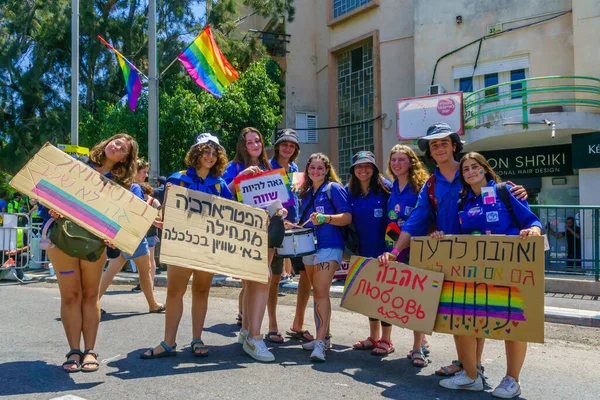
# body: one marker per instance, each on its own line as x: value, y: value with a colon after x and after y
x: 376, y: 183
x: 241, y: 153
x: 294, y: 156
x: 456, y: 153
x: 490, y: 175
x: 123, y: 172
x: 330, y: 177
x: 146, y: 188
x: 142, y: 164
x: 417, y: 174
x: 194, y: 154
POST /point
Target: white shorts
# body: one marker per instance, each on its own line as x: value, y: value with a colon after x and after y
x: 323, y: 255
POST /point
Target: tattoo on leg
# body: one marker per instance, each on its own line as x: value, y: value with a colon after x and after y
x: 324, y: 266
x: 318, y: 318
x: 71, y: 272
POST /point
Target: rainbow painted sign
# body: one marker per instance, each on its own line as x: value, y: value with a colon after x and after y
x: 75, y: 190
x: 262, y: 189
x: 493, y: 285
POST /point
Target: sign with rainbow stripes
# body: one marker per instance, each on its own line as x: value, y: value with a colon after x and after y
x: 493, y: 285
x: 262, y: 189
x: 75, y: 190
x: 399, y: 294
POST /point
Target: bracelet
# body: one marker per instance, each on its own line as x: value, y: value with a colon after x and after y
x: 395, y: 251
x: 329, y: 219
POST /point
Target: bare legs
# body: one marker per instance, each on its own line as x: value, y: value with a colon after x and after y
x: 320, y: 276
x: 255, y: 300
x: 302, y: 297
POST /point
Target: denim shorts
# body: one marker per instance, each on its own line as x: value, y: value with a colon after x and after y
x: 323, y: 255
x: 140, y: 251
x: 152, y: 240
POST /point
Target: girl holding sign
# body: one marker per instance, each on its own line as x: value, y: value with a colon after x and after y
x: 483, y: 210
x: 324, y: 207
x: 250, y: 159
x: 206, y: 161
x: 78, y: 278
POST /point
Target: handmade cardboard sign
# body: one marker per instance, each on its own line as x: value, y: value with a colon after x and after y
x: 212, y: 234
x: 262, y: 189
x: 493, y: 285
x: 75, y: 190
x: 399, y: 294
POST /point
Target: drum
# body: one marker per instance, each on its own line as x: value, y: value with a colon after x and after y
x: 298, y: 243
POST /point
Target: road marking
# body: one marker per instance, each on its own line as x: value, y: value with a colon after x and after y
x: 107, y: 360
x: 68, y: 397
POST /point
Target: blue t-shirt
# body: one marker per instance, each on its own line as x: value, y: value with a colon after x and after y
x: 369, y: 219
x: 447, y: 195
x: 328, y: 236
x: 233, y: 169
x: 399, y: 207
x: 211, y: 185
x: 495, y: 218
x: 292, y: 210
x: 3, y: 205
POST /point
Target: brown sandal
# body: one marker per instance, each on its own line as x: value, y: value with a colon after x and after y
x: 94, y: 362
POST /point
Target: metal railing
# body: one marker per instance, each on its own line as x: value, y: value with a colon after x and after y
x: 574, y: 238
x: 494, y: 102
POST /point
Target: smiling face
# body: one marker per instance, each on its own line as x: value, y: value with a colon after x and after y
x: 317, y: 171
x: 473, y: 173
x: 286, y: 150
x: 399, y: 164
x: 442, y: 150
x: 117, y: 150
x: 141, y: 175
x: 364, y: 172
x: 254, y: 145
x: 209, y: 158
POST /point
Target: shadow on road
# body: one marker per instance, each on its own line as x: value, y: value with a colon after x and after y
x: 227, y: 330
x: 39, y: 377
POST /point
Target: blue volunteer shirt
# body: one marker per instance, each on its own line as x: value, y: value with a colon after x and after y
x: 3, y: 205
x: 369, y: 219
x: 328, y: 236
x: 233, y: 169
x: 211, y: 185
x: 494, y: 218
x: 292, y: 210
x: 447, y: 195
x: 399, y: 207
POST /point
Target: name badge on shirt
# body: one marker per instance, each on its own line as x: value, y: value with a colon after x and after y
x: 378, y: 212
x: 408, y: 210
x: 491, y: 216
x: 489, y: 195
x: 320, y: 209
x: 475, y: 211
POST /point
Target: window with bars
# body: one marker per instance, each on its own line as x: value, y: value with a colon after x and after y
x: 341, y: 7
x: 306, y: 127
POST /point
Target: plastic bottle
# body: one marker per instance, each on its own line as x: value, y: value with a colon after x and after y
x: 51, y: 269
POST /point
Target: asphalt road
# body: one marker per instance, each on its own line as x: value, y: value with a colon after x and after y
x: 32, y: 345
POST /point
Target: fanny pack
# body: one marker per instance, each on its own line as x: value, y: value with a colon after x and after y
x: 72, y: 240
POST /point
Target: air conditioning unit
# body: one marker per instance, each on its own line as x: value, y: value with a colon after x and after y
x: 436, y: 89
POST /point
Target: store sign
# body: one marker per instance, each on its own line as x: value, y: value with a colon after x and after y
x: 531, y: 162
x: 586, y: 150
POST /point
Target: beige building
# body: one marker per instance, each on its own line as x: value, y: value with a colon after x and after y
x: 349, y: 61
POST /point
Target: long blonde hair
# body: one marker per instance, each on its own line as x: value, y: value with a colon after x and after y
x: 417, y: 174
x: 330, y: 177
x: 123, y: 172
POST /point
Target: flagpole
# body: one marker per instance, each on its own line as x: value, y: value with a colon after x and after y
x: 122, y: 56
x: 75, y: 72
x: 153, y: 135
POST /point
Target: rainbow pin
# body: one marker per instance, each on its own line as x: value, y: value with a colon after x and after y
x: 435, y: 284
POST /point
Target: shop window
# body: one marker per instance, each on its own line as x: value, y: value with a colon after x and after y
x: 490, y: 80
x: 516, y: 75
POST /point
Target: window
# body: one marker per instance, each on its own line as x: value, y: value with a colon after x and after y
x: 357, y: 59
x: 465, y: 84
x: 306, y: 124
x: 341, y: 7
x: 490, y: 80
x: 516, y: 75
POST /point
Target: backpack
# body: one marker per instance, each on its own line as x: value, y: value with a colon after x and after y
x: 503, y: 195
x: 351, y: 243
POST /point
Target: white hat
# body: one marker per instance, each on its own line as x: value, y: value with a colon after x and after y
x: 208, y: 137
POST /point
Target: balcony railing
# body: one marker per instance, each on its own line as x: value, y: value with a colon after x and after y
x: 518, y: 99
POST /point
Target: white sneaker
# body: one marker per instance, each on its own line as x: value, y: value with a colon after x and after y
x: 508, y: 388
x: 242, y: 336
x: 257, y: 349
x: 318, y: 353
x: 463, y: 382
x: 311, y: 345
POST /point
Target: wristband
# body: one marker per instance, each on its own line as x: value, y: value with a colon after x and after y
x: 395, y: 251
x: 320, y: 219
x: 329, y: 219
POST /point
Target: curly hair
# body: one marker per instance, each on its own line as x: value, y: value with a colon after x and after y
x: 194, y: 154
x: 330, y: 177
x: 417, y: 174
x: 146, y: 188
x: 241, y: 153
x: 122, y: 172
x: 490, y: 175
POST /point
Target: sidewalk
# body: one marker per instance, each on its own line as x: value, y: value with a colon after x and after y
x: 572, y: 309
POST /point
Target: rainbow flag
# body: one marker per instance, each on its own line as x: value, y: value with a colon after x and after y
x: 206, y: 64
x: 130, y: 73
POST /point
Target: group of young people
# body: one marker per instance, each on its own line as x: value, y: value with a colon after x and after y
x: 385, y: 214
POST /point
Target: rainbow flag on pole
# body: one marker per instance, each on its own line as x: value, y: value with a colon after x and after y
x: 131, y: 75
x: 206, y: 64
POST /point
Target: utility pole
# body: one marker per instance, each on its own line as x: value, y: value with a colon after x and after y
x: 153, y: 154
x: 75, y: 72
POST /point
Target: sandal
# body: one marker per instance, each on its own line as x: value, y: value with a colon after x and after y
x: 417, y: 357
x: 445, y: 371
x: 239, y: 319
x: 303, y: 336
x: 199, y: 345
x: 424, y: 349
x: 74, y: 352
x: 276, y: 334
x: 94, y: 362
x: 380, y: 350
x: 169, y: 352
x: 161, y: 308
x: 361, y: 344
